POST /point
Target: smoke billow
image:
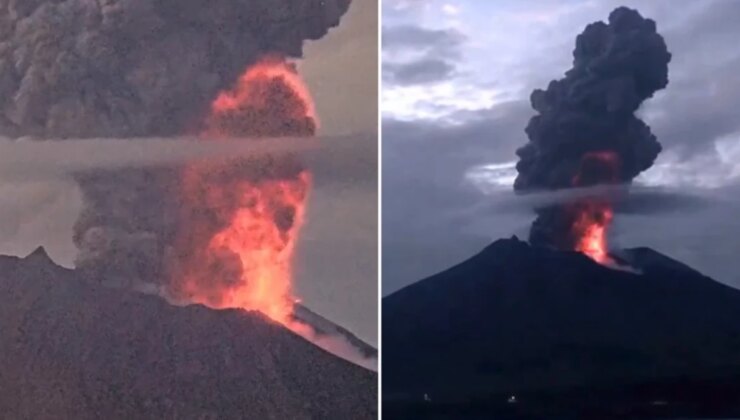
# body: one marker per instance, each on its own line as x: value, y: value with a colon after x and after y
x: 137, y: 68
x: 586, y: 132
x: 126, y: 68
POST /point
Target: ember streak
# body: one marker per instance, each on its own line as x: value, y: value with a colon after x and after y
x: 242, y: 219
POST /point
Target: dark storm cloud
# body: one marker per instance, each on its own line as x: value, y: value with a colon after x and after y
x: 435, y: 54
x: 717, y: 21
x: 423, y: 167
x: 699, y: 111
x: 426, y: 70
x: 470, y: 138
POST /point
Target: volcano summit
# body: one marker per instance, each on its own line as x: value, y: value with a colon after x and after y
x: 564, y: 335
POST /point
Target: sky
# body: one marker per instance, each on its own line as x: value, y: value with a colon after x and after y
x: 457, y: 76
x: 336, y: 261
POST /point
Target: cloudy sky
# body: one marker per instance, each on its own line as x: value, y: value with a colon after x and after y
x: 456, y: 81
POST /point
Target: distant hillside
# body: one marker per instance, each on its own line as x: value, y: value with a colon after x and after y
x: 517, y: 320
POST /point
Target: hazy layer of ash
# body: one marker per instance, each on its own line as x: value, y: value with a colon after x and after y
x: 588, y: 116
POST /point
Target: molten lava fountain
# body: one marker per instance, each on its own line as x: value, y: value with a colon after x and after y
x: 591, y: 216
x: 242, y: 219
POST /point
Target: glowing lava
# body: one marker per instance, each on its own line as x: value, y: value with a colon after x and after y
x: 269, y: 100
x: 243, y: 219
x: 593, y: 216
x: 590, y: 230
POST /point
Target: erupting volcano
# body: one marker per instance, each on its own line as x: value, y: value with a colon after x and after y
x: 243, y: 218
x: 111, y: 338
x: 590, y: 229
x: 557, y: 326
x: 591, y: 216
x: 586, y: 132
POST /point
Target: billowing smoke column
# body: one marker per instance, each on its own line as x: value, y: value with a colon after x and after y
x: 140, y: 68
x: 124, y: 68
x: 586, y: 132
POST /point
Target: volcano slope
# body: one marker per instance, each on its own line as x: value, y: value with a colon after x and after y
x: 72, y: 350
x: 562, y: 334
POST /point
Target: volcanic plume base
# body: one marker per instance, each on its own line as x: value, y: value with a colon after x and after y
x: 240, y: 221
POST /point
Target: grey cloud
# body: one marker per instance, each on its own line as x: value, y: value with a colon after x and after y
x: 436, y: 53
x: 423, y: 167
x: 408, y: 36
x: 701, y: 102
x: 716, y: 22
x: 469, y: 138
x: 426, y: 70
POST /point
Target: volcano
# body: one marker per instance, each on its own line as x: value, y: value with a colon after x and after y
x: 539, y: 331
x: 75, y: 349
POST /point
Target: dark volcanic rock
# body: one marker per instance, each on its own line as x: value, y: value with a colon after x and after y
x: 72, y: 350
x: 521, y: 318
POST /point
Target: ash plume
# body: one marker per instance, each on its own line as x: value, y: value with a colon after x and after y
x: 586, y: 132
x: 73, y: 69
x: 126, y: 68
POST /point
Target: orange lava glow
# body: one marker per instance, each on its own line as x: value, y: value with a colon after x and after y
x: 262, y: 234
x: 270, y: 99
x: 245, y: 218
x: 590, y: 228
x: 592, y: 217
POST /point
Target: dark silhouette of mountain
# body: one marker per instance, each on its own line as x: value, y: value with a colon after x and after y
x: 73, y: 350
x: 522, y: 329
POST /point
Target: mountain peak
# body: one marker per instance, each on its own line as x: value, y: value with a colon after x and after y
x: 515, y: 316
x: 40, y: 255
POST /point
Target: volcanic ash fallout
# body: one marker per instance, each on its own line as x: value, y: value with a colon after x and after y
x: 586, y: 132
x: 220, y: 235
